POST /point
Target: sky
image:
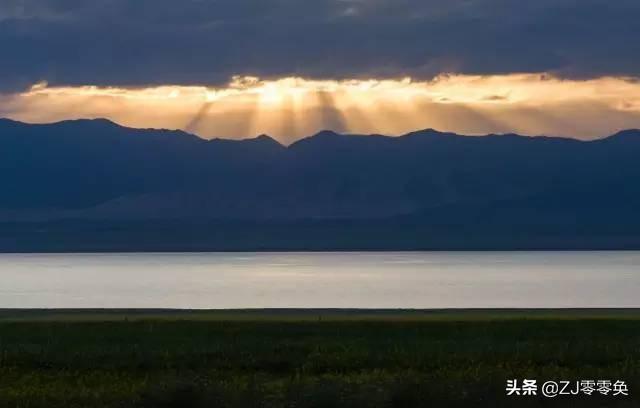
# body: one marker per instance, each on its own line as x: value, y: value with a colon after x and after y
x: 289, y: 68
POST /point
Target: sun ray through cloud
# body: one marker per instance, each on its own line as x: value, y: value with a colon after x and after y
x: 290, y: 108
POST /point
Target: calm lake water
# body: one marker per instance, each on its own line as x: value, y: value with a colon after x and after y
x: 322, y: 280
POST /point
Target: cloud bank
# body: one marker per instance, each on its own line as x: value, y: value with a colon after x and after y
x: 139, y: 43
x: 291, y: 108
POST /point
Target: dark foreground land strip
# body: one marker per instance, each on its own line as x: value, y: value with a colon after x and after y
x: 312, y: 358
x: 315, y: 314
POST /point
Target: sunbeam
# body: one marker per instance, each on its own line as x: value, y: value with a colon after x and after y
x: 290, y: 108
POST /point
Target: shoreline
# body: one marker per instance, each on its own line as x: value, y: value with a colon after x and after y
x: 316, y: 314
x: 318, y: 250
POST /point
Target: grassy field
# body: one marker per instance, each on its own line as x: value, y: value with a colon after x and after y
x: 312, y: 358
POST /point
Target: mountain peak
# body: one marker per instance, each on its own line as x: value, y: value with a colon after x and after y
x: 322, y: 138
x: 89, y: 121
x: 11, y: 122
x: 264, y: 141
x: 264, y: 138
x: 326, y: 134
x: 73, y: 125
x: 625, y: 135
x: 430, y: 132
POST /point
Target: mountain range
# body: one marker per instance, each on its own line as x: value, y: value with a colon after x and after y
x: 92, y: 185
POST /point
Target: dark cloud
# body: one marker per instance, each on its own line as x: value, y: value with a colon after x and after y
x: 146, y: 42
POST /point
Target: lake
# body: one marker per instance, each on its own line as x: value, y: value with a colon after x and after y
x: 321, y: 280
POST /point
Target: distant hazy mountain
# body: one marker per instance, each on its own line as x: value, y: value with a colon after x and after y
x: 93, y: 185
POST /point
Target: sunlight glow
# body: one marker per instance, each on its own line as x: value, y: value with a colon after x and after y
x: 289, y: 108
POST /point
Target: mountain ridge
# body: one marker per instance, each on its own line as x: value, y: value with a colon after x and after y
x: 419, y: 190
x: 325, y: 133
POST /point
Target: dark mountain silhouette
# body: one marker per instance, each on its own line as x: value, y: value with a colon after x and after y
x: 95, y: 185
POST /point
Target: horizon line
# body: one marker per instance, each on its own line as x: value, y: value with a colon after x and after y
x: 319, y: 132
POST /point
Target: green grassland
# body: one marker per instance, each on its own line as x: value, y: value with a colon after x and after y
x: 311, y: 358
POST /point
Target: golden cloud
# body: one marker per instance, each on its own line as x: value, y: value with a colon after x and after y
x: 289, y: 108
